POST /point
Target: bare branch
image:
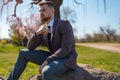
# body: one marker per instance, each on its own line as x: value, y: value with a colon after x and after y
x: 97, y: 6
x: 79, y: 3
x: 4, y: 3
x: 15, y: 9
x: 19, y: 1
x: 105, y: 6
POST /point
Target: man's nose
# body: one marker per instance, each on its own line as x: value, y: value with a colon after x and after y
x: 41, y: 14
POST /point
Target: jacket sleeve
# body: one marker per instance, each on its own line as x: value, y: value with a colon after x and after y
x: 66, y: 42
x: 35, y: 41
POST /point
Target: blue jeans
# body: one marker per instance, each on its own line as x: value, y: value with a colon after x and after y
x: 49, y: 72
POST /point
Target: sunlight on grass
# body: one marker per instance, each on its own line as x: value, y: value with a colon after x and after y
x: 99, y: 58
x: 95, y: 57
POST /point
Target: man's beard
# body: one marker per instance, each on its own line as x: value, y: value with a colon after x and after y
x: 45, y: 19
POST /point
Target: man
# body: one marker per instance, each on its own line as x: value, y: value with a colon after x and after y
x: 59, y: 38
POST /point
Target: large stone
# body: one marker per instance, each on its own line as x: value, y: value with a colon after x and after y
x: 85, y: 72
x: 99, y: 74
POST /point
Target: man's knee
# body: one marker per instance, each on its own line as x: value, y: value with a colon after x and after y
x: 47, y: 71
x: 23, y: 52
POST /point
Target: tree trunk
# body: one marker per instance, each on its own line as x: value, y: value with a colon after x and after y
x: 57, y: 7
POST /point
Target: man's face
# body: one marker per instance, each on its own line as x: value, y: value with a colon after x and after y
x: 45, y: 13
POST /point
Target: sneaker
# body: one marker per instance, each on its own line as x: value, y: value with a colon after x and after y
x: 1, y: 78
x: 39, y: 77
x: 35, y: 77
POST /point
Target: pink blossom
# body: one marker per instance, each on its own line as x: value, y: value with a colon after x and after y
x: 25, y: 27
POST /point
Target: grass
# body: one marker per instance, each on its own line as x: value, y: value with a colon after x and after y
x: 95, y: 57
x: 99, y: 58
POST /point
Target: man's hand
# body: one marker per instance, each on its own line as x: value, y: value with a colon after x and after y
x: 42, y: 66
x: 42, y: 30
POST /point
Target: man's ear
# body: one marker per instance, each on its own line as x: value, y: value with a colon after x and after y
x: 53, y: 10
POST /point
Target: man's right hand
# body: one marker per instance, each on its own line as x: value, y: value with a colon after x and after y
x: 42, y: 30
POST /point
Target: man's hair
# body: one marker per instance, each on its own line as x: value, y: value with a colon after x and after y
x: 49, y: 3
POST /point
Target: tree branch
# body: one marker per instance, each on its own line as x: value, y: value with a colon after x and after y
x: 105, y: 6
x: 4, y: 3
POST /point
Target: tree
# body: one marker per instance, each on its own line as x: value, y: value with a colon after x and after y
x: 108, y: 33
x: 22, y: 29
x: 69, y: 14
x: 57, y: 7
x: 58, y: 3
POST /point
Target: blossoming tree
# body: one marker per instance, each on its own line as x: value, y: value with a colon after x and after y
x: 22, y: 28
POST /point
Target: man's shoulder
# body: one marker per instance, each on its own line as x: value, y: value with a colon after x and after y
x: 63, y: 20
x: 60, y: 21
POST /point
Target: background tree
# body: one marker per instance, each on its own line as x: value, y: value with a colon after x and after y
x: 105, y: 34
x: 58, y: 3
x: 69, y: 14
x: 108, y: 33
x: 22, y: 29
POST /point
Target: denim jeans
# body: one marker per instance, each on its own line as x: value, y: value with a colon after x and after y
x: 49, y: 72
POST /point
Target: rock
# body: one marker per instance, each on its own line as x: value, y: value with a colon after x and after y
x: 84, y: 72
x: 99, y: 74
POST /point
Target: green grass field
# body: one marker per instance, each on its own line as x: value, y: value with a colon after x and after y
x: 95, y: 57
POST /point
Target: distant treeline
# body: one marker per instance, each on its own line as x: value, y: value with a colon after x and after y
x: 106, y: 34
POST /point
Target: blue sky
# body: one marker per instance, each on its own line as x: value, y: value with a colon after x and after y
x: 93, y: 19
x: 88, y: 22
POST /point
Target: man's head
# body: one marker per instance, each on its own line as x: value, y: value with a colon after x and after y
x: 46, y: 10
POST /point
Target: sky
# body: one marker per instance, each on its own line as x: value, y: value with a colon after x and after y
x: 88, y: 18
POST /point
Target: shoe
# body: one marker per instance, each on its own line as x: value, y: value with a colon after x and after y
x: 1, y: 78
x: 39, y: 77
x: 35, y: 77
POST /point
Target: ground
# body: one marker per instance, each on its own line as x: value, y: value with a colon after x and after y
x: 114, y: 47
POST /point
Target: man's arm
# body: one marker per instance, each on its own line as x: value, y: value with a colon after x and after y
x: 37, y: 38
x: 35, y: 41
